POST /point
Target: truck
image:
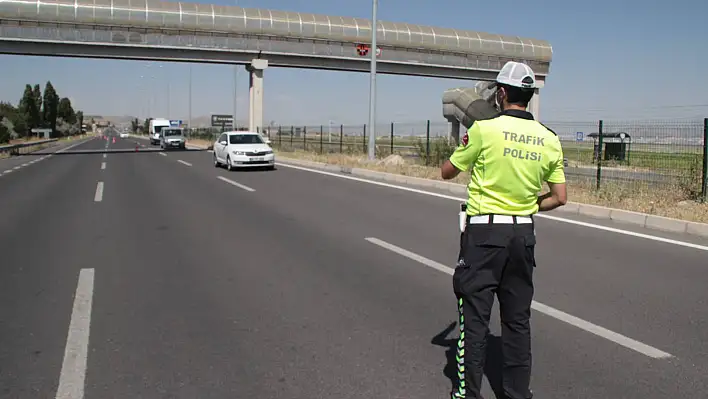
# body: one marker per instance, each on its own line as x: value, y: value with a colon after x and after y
x: 155, y: 129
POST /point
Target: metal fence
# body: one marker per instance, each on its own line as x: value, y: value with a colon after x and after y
x: 427, y: 142
x: 640, y: 155
x: 25, y: 148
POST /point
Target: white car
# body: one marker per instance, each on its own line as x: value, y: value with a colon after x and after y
x: 241, y: 150
x: 124, y: 135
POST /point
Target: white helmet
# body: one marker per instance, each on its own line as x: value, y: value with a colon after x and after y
x: 518, y: 75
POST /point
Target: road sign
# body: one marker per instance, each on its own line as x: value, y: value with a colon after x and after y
x: 176, y: 123
x: 579, y: 136
x: 222, y: 120
x: 363, y: 50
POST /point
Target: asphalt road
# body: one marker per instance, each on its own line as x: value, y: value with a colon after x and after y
x: 156, y: 275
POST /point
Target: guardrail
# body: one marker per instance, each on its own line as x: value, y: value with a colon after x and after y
x: 15, y: 149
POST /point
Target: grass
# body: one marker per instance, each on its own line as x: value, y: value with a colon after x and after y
x: 668, y: 201
x: 640, y: 156
x: 200, y: 143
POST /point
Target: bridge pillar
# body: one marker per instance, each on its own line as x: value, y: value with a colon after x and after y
x: 255, y: 106
x: 535, y: 103
x: 455, y: 131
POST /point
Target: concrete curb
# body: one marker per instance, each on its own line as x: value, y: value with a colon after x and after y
x: 644, y: 220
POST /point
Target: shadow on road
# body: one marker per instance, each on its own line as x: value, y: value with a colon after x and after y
x: 492, y: 365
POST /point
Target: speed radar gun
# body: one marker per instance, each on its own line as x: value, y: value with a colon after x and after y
x: 465, y: 105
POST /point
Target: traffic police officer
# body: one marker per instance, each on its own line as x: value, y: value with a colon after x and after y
x: 510, y: 157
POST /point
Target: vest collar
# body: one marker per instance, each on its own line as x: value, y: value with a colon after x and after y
x: 518, y: 114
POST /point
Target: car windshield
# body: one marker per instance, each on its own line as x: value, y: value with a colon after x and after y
x: 245, y: 139
x: 158, y: 129
x: 172, y: 132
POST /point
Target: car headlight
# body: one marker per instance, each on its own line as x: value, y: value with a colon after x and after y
x: 268, y: 152
x: 238, y: 152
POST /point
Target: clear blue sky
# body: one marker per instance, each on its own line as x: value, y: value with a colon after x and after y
x: 620, y: 59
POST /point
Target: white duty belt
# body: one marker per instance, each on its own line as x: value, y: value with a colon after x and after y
x: 500, y: 219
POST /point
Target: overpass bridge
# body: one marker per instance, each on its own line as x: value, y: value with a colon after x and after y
x: 189, y: 32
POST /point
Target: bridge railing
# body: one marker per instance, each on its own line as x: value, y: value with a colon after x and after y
x: 18, y: 148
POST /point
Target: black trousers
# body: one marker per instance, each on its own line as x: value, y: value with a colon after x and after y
x: 495, y: 259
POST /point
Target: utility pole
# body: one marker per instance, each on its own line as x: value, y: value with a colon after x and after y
x: 372, y: 84
x: 190, y: 98
x: 236, y: 66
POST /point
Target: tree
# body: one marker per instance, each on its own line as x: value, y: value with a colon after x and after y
x: 80, y: 121
x: 4, y: 131
x: 135, y: 125
x: 28, y: 109
x: 14, y: 118
x: 146, y: 125
x: 65, y: 111
x: 51, y: 104
x: 37, y: 92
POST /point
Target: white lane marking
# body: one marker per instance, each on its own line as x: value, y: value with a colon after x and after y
x: 26, y: 164
x: 163, y: 154
x: 17, y: 167
x: 629, y: 233
x: 184, y: 163
x: 103, y: 165
x: 549, y: 217
x: 539, y: 307
x: 7, y: 171
x: 234, y: 183
x: 105, y: 155
x: 98, y: 197
x: 73, y: 368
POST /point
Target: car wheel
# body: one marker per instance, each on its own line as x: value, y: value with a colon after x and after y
x: 271, y: 167
x: 216, y: 162
x: 228, y: 164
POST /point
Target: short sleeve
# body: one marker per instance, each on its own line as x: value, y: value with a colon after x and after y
x: 556, y: 174
x: 465, y: 155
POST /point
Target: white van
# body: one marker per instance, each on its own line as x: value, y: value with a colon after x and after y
x: 156, y: 126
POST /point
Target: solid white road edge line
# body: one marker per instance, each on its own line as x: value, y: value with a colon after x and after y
x: 73, y: 369
x: 549, y: 217
x: 235, y: 183
x: 99, y: 192
x: 73, y: 145
x: 539, y: 307
x: 184, y: 163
